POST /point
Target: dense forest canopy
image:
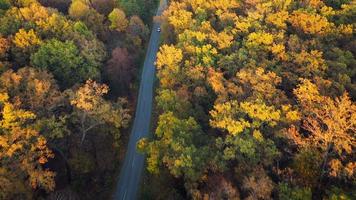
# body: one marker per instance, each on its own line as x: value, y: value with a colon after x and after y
x: 255, y: 100
x: 68, y: 72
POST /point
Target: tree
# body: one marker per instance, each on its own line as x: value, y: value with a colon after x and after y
x: 78, y: 9
x: 118, y: 20
x: 96, y: 23
x: 137, y: 31
x: 234, y: 117
x: 310, y: 23
x: 259, y: 185
x: 331, y: 124
x: 32, y: 89
x: 120, y: 70
x: 285, y: 192
x: 168, y: 60
x: 218, y: 187
x: 93, y: 52
x: 81, y: 10
x: 64, y: 61
x: 131, y: 7
x: 92, y: 110
x: 26, y: 40
x: 26, y: 43
x: 23, y: 152
x: 169, y: 100
x: 103, y: 6
x: 177, y: 148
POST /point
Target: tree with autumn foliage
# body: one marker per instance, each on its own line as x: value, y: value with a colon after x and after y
x: 91, y: 110
x: 271, y: 86
x: 23, y: 153
x: 118, y: 20
x: 331, y: 124
x: 64, y: 129
x: 120, y: 70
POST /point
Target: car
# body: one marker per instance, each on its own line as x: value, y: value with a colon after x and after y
x: 158, y: 29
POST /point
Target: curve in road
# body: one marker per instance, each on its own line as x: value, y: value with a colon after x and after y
x: 131, y: 171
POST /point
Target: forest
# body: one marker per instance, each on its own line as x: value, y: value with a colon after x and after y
x: 255, y: 100
x: 68, y: 84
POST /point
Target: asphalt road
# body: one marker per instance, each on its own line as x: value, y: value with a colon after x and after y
x: 130, y: 175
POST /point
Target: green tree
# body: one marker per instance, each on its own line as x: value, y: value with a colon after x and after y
x: 177, y: 147
x: 285, y: 192
x: 64, y: 61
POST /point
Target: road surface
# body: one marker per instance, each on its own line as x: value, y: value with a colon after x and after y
x: 130, y: 175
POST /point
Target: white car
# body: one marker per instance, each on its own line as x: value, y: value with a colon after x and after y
x: 158, y: 29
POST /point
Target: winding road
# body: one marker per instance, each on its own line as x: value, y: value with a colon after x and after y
x: 130, y: 175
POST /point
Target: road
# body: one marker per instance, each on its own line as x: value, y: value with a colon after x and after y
x: 130, y: 175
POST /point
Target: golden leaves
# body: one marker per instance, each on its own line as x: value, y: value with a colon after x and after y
x: 279, y: 51
x: 168, y: 56
x: 223, y: 117
x: 12, y: 117
x: 307, y: 93
x: 26, y: 39
x: 87, y: 95
x: 180, y: 19
x: 290, y: 115
x: 118, y: 20
x: 223, y: 39
x: 260, y: 84
x: 242, y: 25
x: 231, y: 116
x: 168, y: 61
x: 278, y: 19
x: 215, y: 79
x: 22, y: 148
x: 330, y: 122
x: 261, y: 112
x: 310, y: 63
x: 256, y: 39
x: 35, y: 13
x: 310, y: 23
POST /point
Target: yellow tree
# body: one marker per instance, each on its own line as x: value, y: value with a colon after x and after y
x: 332, y: 127
x: 22, y: 154
x: 78, y: 9
x: 278, y: 19
x: 31, y: 88
x: 310, y: 23
x: 34, y: 13
x: 92, y: 110
x: 234, y: 117
x: 26, y: 39
x: 180, y: 19
x: 168, y: 61
x: 118, y: 20
x: 309, y: 63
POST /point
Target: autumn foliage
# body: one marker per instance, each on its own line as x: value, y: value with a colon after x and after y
x: 267, y: 91
x: 65, y: 79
